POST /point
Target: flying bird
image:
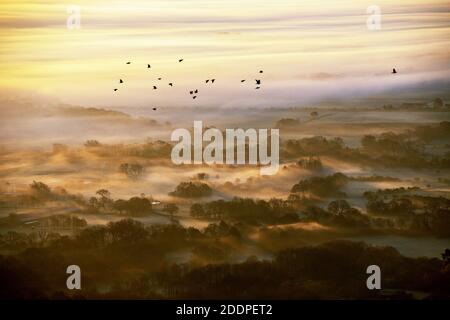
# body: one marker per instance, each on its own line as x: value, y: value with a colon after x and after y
x: 194, y: 97
x: 128, y: 62
x: 207, y: 81
x: 116, y: 89
x: 154, y: 88
x: 148, y: 66
x: 159, y: 78
x: 196, y: 91
x: 154, y: 109
x: 120, y: 81
x: 258, y: 81
x: 212, y: 80
x: 191, y: 92
x: 171, y: 84
x: 260, y: 71
x: 242, y: 80
x: 394, y: 71
x: 180, y: 60
x: 257, y: 87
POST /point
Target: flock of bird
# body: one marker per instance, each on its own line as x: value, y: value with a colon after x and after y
x: 194, y: 93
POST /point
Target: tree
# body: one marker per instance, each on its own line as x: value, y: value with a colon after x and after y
x: 170, y: 208
x: 92, y: 143
x: 338, y: 206
x: 138, y: 206
x: 95, y: 236
x: 133, y: 170
x: 192, y: 190
x: 197, y: 210
x: 438, y: 103
x: 368, y: 142
x: 105, y: 199
x: 446, y: 256
x: 127, y: 231
x: 40, y: 189
x: 103, y: 193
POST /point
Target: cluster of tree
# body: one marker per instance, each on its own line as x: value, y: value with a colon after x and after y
x: 62, y: 221
x: 315, y: 146
x: 106, y: 254
x: 44, y: 231
x: 274, y: 211
x: 401, y: 201
x: 287, y: 122
x: 132, y: 170
x: 334, y: 270
x: 192, y: 190
x: 436, y: 105
x: 431, y: 132
x: 126, y: 259
x: 40, y: 190
x: 148, y: 150
x: 78, y: 111
x: 412, y: 215
x: 38, y: 194
x: 415, y: 213
x: 388, y: 149
x: 135, y: 206
x: 389, y: 193
x: 103, y: 203
x: 92, y: 144
x: 391, y: 145
x: 170, y: 208
x: 407, y: 149
x: 339, y: 213
x: 310, y: 163
x: 321, y: 187
x: 374, y: 178
x: 202, y: 176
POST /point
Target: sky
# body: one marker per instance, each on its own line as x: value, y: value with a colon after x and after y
x: 310, y: 51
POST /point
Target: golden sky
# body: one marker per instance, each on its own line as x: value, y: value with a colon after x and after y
x: 308, y: 49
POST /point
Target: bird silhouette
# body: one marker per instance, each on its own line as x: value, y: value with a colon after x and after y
x: 116, y: 89
x: 120, y: 81
x: 242, y: 80
x: 196, y: 91
x: 128, y: 62
x: 394, y: 71
x: 154, y: 109
x: 212, y: 80
x: 194, y: 97
x: 260, y: 71
x: 207, y: 81
x: 191, y: 92
x: 258, y: 81
x: 257, y: 87
x: 180, y: 60
x: 154, y: 88
x: 148, y: 66
x: 171, y: 84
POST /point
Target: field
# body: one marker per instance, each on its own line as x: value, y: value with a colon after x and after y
x: 101, y: 186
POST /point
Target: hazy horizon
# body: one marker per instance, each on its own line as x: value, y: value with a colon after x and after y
x: 310, y: 51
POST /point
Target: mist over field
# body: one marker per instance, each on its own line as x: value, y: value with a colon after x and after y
x: 374, y: 176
